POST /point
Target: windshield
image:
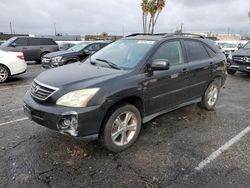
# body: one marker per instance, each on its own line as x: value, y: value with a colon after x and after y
x: 79, y: 46
x: 247, y: 46
x: 8, y: 42
x: 124, y: 54
x: 228, y: 45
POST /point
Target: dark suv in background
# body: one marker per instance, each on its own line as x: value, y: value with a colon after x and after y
x: 33, y: 48
x: 239, y: 60
x: 125, y: 84
x: 76, y: 53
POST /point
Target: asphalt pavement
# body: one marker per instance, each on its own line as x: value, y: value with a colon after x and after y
x: 189, y: 147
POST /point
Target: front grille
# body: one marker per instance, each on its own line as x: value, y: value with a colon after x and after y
x: 42, y: 91
x: 241, y: 59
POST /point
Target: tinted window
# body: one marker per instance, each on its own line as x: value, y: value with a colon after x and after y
x: 170, y: 51
x: 34, y: 42
x: 93, y: 47
x: 195, y: 50
x: 210, y: 51
x: 47, y: 42
x: 21, y: 42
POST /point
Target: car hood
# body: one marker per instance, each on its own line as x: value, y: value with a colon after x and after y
x: 59, y: 53
x: 242, y: 52
x: 78, y: 74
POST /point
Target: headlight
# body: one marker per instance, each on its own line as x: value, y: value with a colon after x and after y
x: 56, y: 59
x: 230, y: 55
x: 79, y: 98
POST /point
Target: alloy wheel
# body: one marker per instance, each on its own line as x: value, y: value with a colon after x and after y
x: 3, y: 74
x: 124, y: 128
x: 212, y: 95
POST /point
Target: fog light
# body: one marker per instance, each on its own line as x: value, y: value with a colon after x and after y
x: 68, y: 123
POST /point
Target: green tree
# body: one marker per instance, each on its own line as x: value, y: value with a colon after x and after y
x: 153, y: 9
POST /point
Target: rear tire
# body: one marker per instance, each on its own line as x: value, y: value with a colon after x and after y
x: 4, y: 73
x: 122, y: 128
x: 211, y: 96
x: 230, y: 71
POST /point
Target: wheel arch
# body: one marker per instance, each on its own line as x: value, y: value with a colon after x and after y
x: 7, y: 68
x: 133, y: 100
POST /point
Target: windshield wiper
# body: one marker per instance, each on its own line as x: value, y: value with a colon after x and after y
x: 112, y: 65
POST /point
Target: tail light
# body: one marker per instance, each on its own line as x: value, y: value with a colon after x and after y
x: 20, y: 56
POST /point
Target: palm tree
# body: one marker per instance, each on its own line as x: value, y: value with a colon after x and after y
x: 145, y: 11
x: 154, y: 8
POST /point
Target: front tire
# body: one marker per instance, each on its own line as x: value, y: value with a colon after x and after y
x: 211, y: 96
x: 122, y: 128
x: 230, y: 71
x: 4, y: 74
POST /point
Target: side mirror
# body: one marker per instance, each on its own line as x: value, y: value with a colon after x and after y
x: 13, y: 44
x: 87, y: 52
x: 160, y: 65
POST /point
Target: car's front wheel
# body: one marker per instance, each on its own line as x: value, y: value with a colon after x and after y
x: 4, y: 74
x: 230, y: 71
x: 211, y: 96
x: 121, y: 128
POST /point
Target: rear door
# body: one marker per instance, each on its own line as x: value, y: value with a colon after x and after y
x: 35, y: 48
x: 167, y: 89
x: 200, y: 65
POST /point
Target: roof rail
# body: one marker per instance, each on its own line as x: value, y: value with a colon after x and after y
x: 183, y: 34
x: 145, y: 34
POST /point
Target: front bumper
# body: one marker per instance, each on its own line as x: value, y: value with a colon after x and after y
x: 47, y: 115
x: 243, y: 67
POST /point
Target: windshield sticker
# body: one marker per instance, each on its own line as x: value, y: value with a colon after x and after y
x: 145, y: 42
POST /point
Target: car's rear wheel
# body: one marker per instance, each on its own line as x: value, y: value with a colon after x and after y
x: 4, y: 74
x: 211, y: 96
x: 230, y: 71
x: 121, y: 128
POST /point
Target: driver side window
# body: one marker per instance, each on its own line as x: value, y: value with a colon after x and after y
x: 171, y: 51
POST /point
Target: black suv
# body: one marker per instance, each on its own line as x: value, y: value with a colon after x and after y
x: 76, y: 53
x: 33, y: 48
x: 125, y: 84
x: 239, y: 60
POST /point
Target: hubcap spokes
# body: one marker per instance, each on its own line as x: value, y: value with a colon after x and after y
x: 212, y: 95
x: 124, y: 128
x: 3, y: 73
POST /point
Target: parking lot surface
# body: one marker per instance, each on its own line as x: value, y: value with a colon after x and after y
x: 189, y: 147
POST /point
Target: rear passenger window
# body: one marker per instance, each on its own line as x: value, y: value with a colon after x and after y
x: 170, y: 51
x: 210, y: 51
x: 34, y: 42
x: 21, y: 42
x: 47, y: 42
x: 195, y: 50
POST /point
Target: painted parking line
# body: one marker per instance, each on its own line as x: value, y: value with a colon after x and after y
x: 16, y: 109
x: 222, y: 149
x: 7, y: 88
x: 13, y: 121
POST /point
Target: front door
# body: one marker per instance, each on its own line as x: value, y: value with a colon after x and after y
x: 167, y: 89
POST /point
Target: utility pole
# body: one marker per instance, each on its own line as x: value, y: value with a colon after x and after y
x: 55, y: 28
x: 182, y: 24
x: 11, y: 31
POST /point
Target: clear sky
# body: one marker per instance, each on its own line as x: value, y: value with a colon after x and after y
x: 96, y: 16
